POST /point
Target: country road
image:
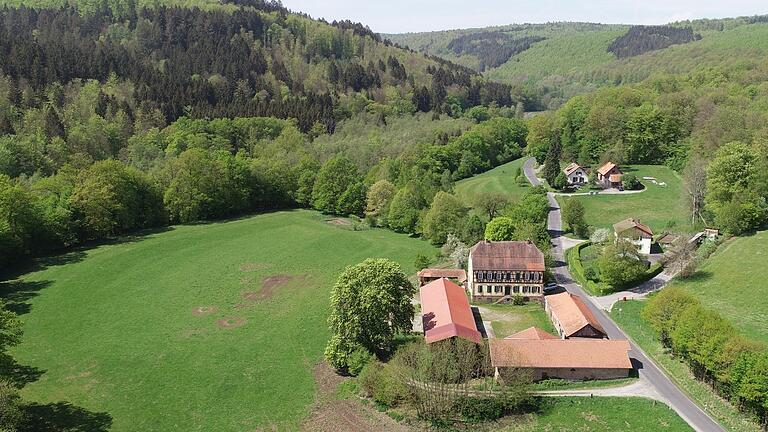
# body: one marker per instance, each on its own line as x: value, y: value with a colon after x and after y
x: 673, y: 395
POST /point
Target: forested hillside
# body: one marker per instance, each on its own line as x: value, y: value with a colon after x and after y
x: 116, y: 117
x: 575, y: 58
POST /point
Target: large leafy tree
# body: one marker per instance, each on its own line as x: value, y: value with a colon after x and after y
x: 370, y: 304
x: 445, y: 216
x: 501, y: 228
x: 573, y: 215
x: 110, y: 199
x: 404, y: 211
x: 334, y: 178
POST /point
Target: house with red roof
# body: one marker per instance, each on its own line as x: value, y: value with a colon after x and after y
x: 446, y: 313
x: 609, y: 176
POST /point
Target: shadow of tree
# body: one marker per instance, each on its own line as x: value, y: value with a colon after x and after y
x: 17, y: 293
x: 63, y: 416
x: 17, y: 374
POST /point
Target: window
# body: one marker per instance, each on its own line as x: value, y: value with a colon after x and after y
x: 497, y: 289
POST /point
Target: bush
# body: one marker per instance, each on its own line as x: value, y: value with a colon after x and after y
x: 518, y: 300
x: 480, y: 409
x: 380, y: 384
x: 10, y: 407
x: 421, y: 262
x: 357, y: 360
x: 630, y: 182
x: 591, y: 273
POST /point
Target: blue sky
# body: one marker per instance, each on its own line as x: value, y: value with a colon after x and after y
x: 398, y: 16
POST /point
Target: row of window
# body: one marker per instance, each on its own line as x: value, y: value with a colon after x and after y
x: 527, y: 276
x: 508, y: 289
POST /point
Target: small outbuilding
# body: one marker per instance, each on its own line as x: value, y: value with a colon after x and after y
x: 572, y: 317
x: 428, y: 275
x: 446, y: 313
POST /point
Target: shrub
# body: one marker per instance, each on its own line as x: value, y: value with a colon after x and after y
x: 380, y: 384
x: 480, y: 409
x: 518, y: 300
x: 630, y: 182
x: 357, y: 360
x: 591, y: 273
x: 10, y: 407
x: 421, y: 262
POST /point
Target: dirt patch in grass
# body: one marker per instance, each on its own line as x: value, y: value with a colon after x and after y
x: 339, y: 222
x: 332, y: 415
x: 204, y: 310
x: 231, y: 322
x: 269, y: 287
x: 252, y: 267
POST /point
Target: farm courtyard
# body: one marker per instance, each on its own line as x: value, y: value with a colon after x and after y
x: 205, y: 327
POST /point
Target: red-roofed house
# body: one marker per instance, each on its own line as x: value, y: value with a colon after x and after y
x: 428, y: 275
x: 609, y: 176
x: 500, y: 270
x: 445, y: 312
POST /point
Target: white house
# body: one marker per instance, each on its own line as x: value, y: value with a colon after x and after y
x: 639, y: 234
x: 576, y: 174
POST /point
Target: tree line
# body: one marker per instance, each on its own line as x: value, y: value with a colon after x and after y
x: 718, y: 354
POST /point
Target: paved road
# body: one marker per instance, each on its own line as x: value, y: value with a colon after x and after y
x: 648, y: 370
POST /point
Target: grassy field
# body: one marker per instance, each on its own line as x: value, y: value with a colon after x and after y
x: 732, y: 281
x: 507, y: 319
x: 658, y: 207
x: 498, y: 180
x: 199, y: 328
x: 627, y: 316
x: 601, y: 414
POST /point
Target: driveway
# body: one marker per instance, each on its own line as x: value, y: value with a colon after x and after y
x: 647, y: 369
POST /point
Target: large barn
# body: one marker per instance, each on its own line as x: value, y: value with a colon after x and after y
x: 446, y: 313
x: 546, y: 356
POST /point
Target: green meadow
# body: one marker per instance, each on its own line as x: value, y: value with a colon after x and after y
x: 498, y: 180
x: 660, y: 207
x: 210, y: 327
x: 732, y: 281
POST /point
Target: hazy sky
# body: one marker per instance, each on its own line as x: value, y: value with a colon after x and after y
x: 398, y: 16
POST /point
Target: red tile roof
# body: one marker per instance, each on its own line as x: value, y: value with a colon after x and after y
x: 506, y: 255
x: 532, y: 333
x: 572, y: 313
x: 446, y: 313
x: 615, y: 178
x: 605, y: 169
x: 560, y: 353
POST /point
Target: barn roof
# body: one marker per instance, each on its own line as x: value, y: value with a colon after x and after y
x: 446, y: 313
x: 560, y: 353
x: 572, y: 313
x: 458, y: 274
x: 615, y: 178
x: 620, y: 227
x: 506, y: 255
x: 532, y: 333
x: 605, y: 169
